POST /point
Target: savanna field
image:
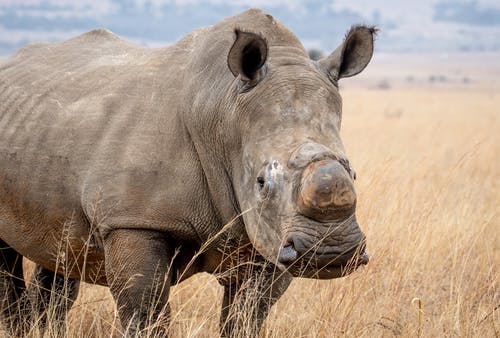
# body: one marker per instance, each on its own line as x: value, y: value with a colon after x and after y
x: 428, y: 184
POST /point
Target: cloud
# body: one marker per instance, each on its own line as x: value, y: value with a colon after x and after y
x: 470, y: 13
x: 428, y: 25
x: 19, y: 36
x: 291, y: 4
x: 56, y: 14
x: 61, y: 8
x: 411, y: 10
x: 425, y: 25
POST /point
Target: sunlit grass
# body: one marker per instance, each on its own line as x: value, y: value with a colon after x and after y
x: 429, y: 194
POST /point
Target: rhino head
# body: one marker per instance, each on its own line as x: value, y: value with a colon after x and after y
x: 295, y: 181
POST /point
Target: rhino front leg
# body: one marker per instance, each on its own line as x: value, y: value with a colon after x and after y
x: 137, y: 270
x: 247, y: 303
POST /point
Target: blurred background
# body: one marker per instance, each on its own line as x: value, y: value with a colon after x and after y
x: 437, y: 42
x: 420, y: 125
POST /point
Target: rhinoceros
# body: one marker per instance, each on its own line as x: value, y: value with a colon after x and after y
x: 136, y: 168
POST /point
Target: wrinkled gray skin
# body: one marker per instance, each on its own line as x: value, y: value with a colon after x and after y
x: 128, y: 167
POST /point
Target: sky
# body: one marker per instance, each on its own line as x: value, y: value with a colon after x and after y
x: 424, y: 26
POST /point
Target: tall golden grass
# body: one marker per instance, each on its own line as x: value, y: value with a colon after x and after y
x: 429, y: 191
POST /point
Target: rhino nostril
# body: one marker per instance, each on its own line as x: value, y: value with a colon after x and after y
x: 287, y: 254
x: 364, y: 258
x: 261, y: 182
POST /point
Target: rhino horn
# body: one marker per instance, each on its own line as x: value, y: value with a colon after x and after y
x: 326, y: 191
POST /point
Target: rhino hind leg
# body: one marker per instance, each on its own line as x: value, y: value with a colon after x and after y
x: 246, y: 303
x: 50, y: 296
x: 12, y: 288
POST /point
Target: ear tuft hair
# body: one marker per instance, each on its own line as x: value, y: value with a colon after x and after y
x: 374, y: 30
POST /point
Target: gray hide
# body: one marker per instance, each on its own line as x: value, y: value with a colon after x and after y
x: 136, y: 168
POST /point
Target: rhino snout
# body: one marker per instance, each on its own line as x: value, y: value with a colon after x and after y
x: 326, y: 191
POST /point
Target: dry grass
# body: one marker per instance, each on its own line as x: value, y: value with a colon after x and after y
x: 429, y: 193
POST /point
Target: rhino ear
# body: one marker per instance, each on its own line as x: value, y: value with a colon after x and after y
x: 352, y: 56
x: 247, y: 56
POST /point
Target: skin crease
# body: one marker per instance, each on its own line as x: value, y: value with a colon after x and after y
x: 133, y: 167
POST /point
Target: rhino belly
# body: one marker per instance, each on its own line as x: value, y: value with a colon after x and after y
x: 51, y: 234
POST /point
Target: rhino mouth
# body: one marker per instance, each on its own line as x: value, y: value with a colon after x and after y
x: 308, y: 267
x: 326, y: 258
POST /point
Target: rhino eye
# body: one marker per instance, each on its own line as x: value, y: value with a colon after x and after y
x: 261, y: 182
